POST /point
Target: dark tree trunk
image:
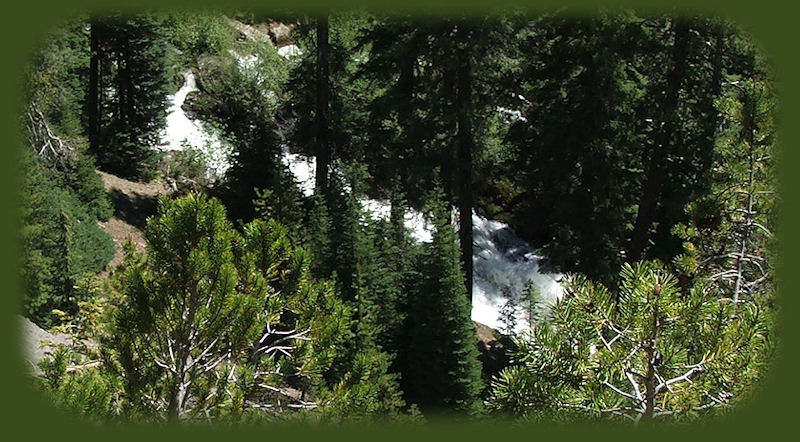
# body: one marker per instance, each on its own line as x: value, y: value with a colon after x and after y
x: 126, y: 93
x: 94, y: 100
x: 122, y: 102
x: 323, y: 152
x: 656, y: 171
x: 707, y: 155
x: 405, y: 86
x: 464, y: 155
x: 650, y: 353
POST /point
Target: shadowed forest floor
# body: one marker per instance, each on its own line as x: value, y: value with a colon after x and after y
x: 133, y: 203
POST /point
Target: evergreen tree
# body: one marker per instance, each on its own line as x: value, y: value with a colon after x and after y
x: 206, y: 301
x: 729, y: 238
x: 656, y: 352
x: 392, y: 128
x: 443, y: 372
x: 61, y: 243
x: 650, y: 196
x: 574, y: 141
x: 242, y: 103
x: 393, y: 279
x: 326, y: 101
x: 129, y: 56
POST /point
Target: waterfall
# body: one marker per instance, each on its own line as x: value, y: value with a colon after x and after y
x: 182, y: 132
x: 504, y: 264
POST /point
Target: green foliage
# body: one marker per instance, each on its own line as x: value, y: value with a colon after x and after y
x: 187, y: 166
x: 730, y: 234
x: 180, y: 301
x: 241, y: 96
x: 365, y: 392
x: 442, y: 372
x: 347, y: 93
x: 133, y: 58
x: 61, y: 243
x: 56, y: 86
x: 391, y: 278
x: 58, y: 77
x: 213, y: 322
x: 650, y: 351
x: 198, y: 33
x: 508, y: 313
x: 86, y: 392
x: 81, y: 176
x: 565, y: 114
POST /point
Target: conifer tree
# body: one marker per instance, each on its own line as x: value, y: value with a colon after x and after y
x: 129, y: 56
x: 61, y: 242
x: 653, y: 351
x: 730, y: 236
x: 207, y: 309
x: 442, y: 372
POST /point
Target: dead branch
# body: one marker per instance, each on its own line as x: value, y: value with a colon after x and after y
x: 42, y: 139
x: 92, y: 364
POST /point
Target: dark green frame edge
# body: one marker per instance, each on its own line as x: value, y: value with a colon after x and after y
x: 770, y: 413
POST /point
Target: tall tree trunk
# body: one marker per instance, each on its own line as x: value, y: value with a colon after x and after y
x: 126, y: 85
x: 707, y: 155
x: 405, y: 86
x: 94, y: 101
x: 122, y: 105
x: 656, y: 171
x: 464, y: 155
x: 323, y: 84
x: 650, y: 354
x: 749, y: 114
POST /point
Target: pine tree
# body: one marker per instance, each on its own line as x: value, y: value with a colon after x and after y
x: 326, y: 102
x: 205, y: 300
x: 652, y: 351
x: 61, y: 242
x: 729, y: 237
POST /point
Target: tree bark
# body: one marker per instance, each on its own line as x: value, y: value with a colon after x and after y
x: 749, y: 131
x: 405, y: 86
x: 122, y: 90
x: 707, y: 155
x: 94, y: 101
x: 464, y: 155
x: 656, y: 172
x: 323, y: 152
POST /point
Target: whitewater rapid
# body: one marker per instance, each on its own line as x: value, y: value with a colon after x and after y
x: 183, y: 133
x: 503, y: 263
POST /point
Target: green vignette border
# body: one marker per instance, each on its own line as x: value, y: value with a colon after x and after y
x: 30, y: 416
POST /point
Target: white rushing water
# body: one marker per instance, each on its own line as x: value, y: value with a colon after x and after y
x: 183, y: 132
x: 503, y: 262
x: 289, y: 51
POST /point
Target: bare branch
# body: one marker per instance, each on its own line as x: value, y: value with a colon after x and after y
x: 635, y: 387
x: 92, y: 364
x: 686, y: 377
x: 622, y: 393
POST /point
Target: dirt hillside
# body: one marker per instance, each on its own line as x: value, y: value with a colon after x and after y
x: 133, y: 203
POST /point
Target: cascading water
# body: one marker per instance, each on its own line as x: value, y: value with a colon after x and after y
x: 183, y: 132
x: 504, y: 264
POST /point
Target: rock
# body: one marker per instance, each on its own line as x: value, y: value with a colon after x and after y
x: 248, y: 32
x: 493, y: 349
x: 280, y: 34
x: 38, y: 343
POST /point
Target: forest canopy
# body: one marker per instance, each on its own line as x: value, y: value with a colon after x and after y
x: 261, y: 217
